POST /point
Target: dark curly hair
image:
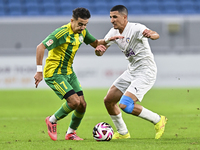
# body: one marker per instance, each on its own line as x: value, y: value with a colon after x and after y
x: 81, y: 12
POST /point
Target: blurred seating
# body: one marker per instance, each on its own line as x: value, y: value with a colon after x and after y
x: 112, y: 3
x: 15, y: 8
x: 85, y: 4
x: 170, y: 7
x: 2, y: 7
x: 135, y: 7
x: 188, y: 7
x: 97, y: 7
x: 49, y: 8
x: 100, y: 8
x: 2, y: 11
x: 32, y: 7
x: 66, y: 7
x: 152, y: 7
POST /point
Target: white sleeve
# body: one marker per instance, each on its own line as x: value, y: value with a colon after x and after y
x: 141, y: 29
x: 108, y: 35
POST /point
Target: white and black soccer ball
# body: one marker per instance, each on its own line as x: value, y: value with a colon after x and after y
x: 103, y: 132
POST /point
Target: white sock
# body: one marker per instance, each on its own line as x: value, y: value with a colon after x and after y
x: 70, y: 130
x: 119, y: 123
x: 149, y: 115
x: 53, y: 119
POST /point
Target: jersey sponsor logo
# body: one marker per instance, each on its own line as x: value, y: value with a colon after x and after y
x: 49, y: 42
x: 81, y: 39
x: 127, y: 40
x: 129, y: 52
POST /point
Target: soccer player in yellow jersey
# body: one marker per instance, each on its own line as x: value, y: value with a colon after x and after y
x: 62, y: 45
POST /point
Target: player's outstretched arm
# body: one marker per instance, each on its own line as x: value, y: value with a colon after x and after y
x: 102, y: 45
x: 150, y: 34
x: 105, y: 41
x: 39, y: 57
x: 113, y: 38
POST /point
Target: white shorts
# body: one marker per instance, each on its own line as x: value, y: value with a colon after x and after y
x: 135, y: 84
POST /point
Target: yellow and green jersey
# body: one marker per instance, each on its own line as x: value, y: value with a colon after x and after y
x: 62, y: 45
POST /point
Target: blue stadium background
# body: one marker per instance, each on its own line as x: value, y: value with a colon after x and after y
x: 97, y: 7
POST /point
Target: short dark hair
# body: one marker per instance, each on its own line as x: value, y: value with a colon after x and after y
x: 121, y: 9
x: 81, y: 12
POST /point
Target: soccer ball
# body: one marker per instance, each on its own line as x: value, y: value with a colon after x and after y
x: 103, y: 132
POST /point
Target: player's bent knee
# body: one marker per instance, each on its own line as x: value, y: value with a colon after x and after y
x: 107, y: 101
x: 128, y: 102
x: 83, y: 104
x: 72, y: 99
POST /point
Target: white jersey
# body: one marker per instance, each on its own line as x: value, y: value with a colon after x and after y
x: 136, y: 49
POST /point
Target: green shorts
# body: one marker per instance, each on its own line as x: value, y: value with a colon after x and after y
x: 63, y: 84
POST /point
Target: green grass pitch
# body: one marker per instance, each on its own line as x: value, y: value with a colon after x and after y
x: 23, y: 113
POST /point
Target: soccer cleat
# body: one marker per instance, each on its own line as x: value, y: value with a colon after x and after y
x: 72, y: 136
x: 117, y: 135
x: 51, y: 129
x: 160, y: 127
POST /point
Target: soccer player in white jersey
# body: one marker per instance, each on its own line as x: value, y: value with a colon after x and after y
x: 133, y: 84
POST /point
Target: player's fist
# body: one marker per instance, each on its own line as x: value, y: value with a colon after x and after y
x: 99, y: 50
x: 147, y: 33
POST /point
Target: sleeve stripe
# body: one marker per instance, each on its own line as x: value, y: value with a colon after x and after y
x: 61, y: 33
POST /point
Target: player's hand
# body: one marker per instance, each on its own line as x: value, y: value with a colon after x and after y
x: 147, y: 33
x: 38, y: 77
x: 115, y: 37
x: 99, y: 50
